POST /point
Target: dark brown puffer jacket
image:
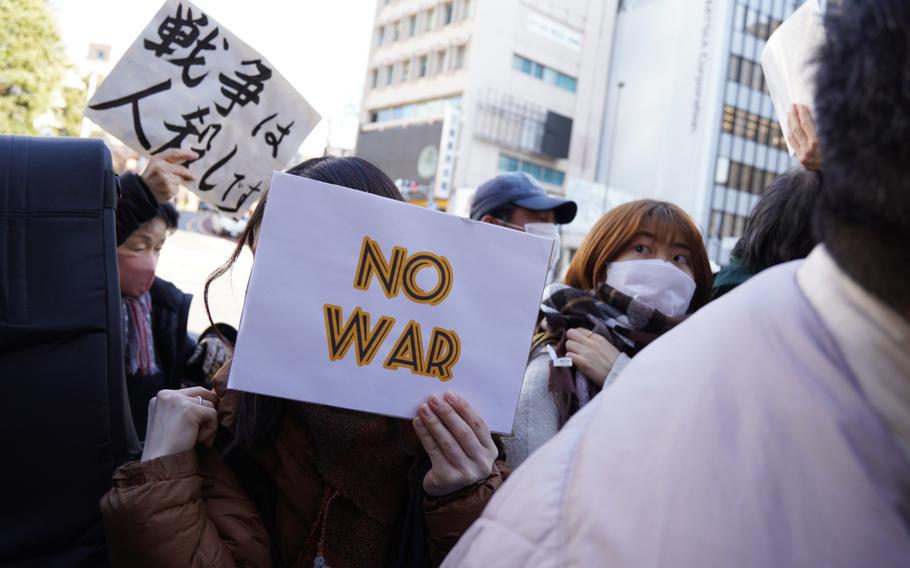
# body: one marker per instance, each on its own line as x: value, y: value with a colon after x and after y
x: 345, y: 504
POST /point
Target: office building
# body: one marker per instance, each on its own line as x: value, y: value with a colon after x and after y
x: 458, y: 91
x: 689, y: 118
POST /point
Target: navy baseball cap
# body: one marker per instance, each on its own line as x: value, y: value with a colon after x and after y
x: 519, y: 189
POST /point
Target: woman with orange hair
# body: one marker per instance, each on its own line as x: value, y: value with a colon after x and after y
x: 640, y: 271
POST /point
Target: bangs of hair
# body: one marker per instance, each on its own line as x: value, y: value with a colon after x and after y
x: 668, y: 224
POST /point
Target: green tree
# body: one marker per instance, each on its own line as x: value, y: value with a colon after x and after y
x: 71, y: 113
x: 31, y: 64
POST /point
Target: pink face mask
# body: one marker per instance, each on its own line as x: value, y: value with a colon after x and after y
x: 137, y: 273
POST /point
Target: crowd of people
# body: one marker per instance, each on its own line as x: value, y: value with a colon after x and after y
x: 759, y: 416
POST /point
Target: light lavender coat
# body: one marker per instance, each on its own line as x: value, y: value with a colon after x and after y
x: 740, y: 438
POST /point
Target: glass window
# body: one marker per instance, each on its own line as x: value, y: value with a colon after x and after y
x: 521, y: 63
x: 566, y: 82
x: 387, y: 80
x: 380, y: 34
x: 440, y: 61
x: 395, y: 27
x: 544, y: 73
x: 532, y: 169
x: 374, y: 78
x: 422, y: 66
x: 468, y: 9
x: 405, y: 70
x: 412, y: 26
x: 459, y: 57
x: 507, y: 163
x: 430, y: 19
x: 549, y: 76
x: 447, y: 13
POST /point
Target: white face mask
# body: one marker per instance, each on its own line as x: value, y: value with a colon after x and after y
x: 550, y: 231
x: 658, y: 283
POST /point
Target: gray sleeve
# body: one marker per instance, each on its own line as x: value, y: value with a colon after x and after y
x: 618, y: 366
x: 536, y: 420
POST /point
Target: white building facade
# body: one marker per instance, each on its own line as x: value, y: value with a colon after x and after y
x: 524, y: 82
x: 689, y: 119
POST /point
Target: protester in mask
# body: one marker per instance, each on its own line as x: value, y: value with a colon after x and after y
x: 158, y: 351
x: 638, y: 273
x: 518, y: 202
x: 778, y: 230
x: 280, y: 483
x: 773, y: 427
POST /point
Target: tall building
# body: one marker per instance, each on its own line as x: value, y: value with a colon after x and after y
x: 458, y: 91
x: 689, y: 118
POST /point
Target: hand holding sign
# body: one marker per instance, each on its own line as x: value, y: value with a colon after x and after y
x: 165, y: 172
x: 188, y: 83
x: 394, y: 303
x: 458, y: 442
x: 803, y: 137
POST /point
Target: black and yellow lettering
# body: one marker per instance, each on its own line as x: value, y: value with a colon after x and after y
x: 443, y: 285
x: 445, y: 349
x: 357, y: 329
x: 408, y: 351
x: 372, y: 262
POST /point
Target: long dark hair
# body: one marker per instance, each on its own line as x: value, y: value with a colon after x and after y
x: 780, y: 227
x: 258, y: 416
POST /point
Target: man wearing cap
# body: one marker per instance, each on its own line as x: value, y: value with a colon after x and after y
x: 514, y: 200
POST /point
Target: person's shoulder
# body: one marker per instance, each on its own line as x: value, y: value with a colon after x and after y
x: 166, y: 295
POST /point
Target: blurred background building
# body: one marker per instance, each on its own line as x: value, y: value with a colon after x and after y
x: 458, y: 91
x: 603, y: 101
x: 689, y: 118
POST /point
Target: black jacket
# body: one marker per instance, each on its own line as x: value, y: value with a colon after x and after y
x: 173, y: 348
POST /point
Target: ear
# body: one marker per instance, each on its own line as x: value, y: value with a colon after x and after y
x: 490, y: 219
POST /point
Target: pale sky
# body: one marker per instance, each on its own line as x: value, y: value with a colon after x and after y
x: 320, y: 46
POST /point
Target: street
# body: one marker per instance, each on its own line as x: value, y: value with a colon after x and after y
x: 187, y: 259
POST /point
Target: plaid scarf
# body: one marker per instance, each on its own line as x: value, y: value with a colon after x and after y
x: 138, y: 344
x: 629, y: 324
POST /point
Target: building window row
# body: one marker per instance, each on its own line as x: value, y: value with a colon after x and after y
x: 426, y: 20
x: 544, y: 73
x: 725, y: 225
x: 753, y: 127
x: 746, y: 72
x: 755, y: 23
x: 425, y: 109
x: 746, y: 178
x: 414, y: 68
x: 543, y: 173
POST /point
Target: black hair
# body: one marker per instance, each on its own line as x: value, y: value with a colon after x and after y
x: 503, y: 212
x: 863, y: 110
x: 169, y: 215
x: 780, y: 227
x: 258, y: 416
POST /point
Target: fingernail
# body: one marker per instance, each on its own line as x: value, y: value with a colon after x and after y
x: 417, y: 421
x: 451, y: 396
x: 435, y: 401
x: 424, y: 409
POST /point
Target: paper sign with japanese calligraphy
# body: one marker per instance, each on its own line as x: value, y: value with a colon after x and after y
x: 375, y: 304
x: 188, y: 82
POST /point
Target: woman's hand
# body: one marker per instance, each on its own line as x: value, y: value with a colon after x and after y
x: 164, y: 173
x: 178, y: 420
x: 458, y: 442
x: 803, y: 138
x: 591, y: 354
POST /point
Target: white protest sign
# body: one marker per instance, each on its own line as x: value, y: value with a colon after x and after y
x: 373, y: 304
x: 188, y: 82
x: 787, y: 61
